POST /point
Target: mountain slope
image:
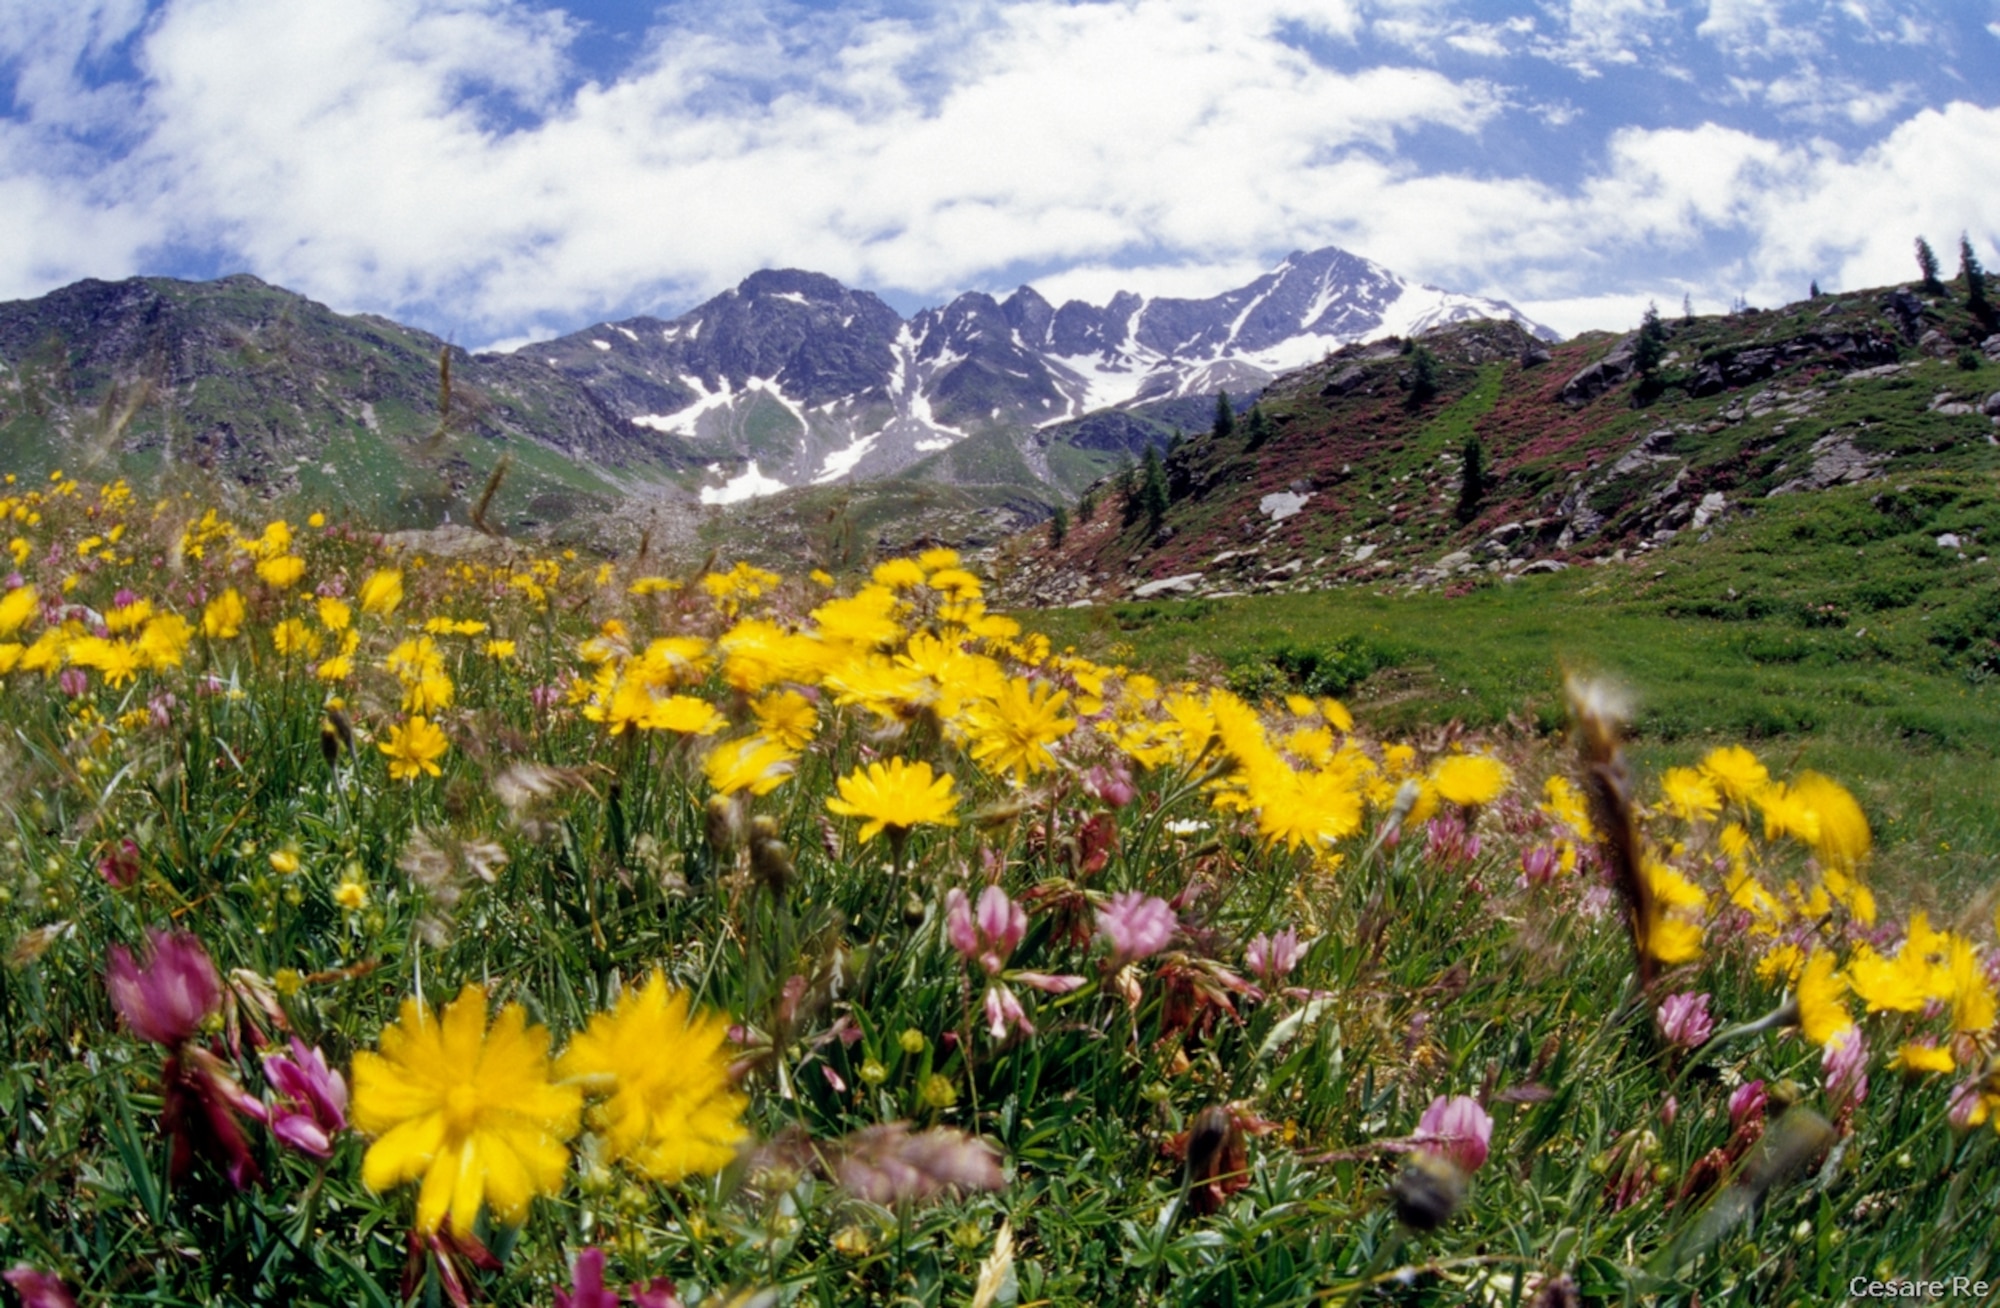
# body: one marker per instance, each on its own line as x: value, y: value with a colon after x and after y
x: 1585, y: 458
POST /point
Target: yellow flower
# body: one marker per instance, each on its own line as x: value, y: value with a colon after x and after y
x: 1011, y: 733
x: 337, y: 668
x: 164, y: 642
x: 1842, y: 840
x: 895, y: 797
x: 282, y: 571
x: 499, y: 649
x: 1736, y: 773
x: 754, y: 763
x: 1470, y: 779
x: 786, y: 717
x: 1310, y: 808
x: 1672, y: 932
x: 1690, y: 795
x: 413, y: 749
x: 1922, y: 1058
x: 1972, y: 1000
x: 1884, y: 986
x: 683, y: 713
x: 429, y: 693
x: 335, y: 614
x: 351, y: 895
x: 383, y: 591
x: 284, y: 861
x: 470, y: 1111
x: 293, y: 637
x: 1821, y: 999
x: 669, y: 1107
x: 222, y: 619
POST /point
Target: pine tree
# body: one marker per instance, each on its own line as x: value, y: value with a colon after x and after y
x: 1651, y: 347
x: 1153, y: 492
x: 1975, y: 284
x: 1128, y: 494
x: 1472, y: 479
x: 1086, y: 508
x: 1687, y: 309
x: 1256, y: 430
x: 1225, y: 416
x: 1927, y: 263
x: 1812, y: 292
x: 1058, y: 527
x: 1423, y: 376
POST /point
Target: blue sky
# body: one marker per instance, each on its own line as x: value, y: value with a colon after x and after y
x: 501, y: 170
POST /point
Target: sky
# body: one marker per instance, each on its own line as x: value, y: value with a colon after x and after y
x: 500, y: 171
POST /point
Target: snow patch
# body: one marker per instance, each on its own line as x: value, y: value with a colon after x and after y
x: 932, y: 446
x: 630, y: 335
x: 1282, y: 504
x: 602, y: 345
x: 745, y: 485
x: 793, y: 296
x: 682, y: 422
x: 841, y: 462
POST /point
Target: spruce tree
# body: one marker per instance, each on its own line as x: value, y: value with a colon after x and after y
x: 1423, y: 376
x: 1651, y: 347
x: 1058, y: 527
x: 1225, y: 416
x: 1472, y: 479
x: 1086, y: 508
x: 1153, y: 492
x: 1128, y: 494
x: 1256, y: 430
x: 1927, y: 264
x: 1975, y: 284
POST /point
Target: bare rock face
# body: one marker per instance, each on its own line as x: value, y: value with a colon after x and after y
x: 1611, y: 370
x: 1835, y: 462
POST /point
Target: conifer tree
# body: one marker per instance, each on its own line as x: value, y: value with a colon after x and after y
x: 1128, y: 494
x: 1651, y: 347
x: 1225, y: 416
x: 1927, y: 264
x: 1975, y: 284
x: 1058, y: 527
x: 1086, y: 507
x: 1472, y: 479
x: 1256, y: 430
x: 1423, y: 375
x: 1153, y: 492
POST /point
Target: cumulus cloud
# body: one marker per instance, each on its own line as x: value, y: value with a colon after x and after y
x: 450, y: 161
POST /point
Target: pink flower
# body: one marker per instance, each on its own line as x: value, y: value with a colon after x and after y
x: 38, y: 1289
x: 312, y: 1100
x: 1004, y: 1012
x: 1137, y: 925
x: 1110, y: 785
x: 1273, y: 957
x: 1844, y: 1067
x: 75, y: 682
x: 1685, y: 1021
x: 1448, y: 843
x: 587, y: 1284
x: 1458, y: 1129
x: 1539, y: 865
x: 166, y: 1000
x: 1963, y: 1107
x: 119, y: 864
x: 1746, y: 1103
x: 990, y: 936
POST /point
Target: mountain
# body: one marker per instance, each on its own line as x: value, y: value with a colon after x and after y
x: 1583, y: 456
x: 792, y: 379
x: 788, y: 381
x: 239, y: 384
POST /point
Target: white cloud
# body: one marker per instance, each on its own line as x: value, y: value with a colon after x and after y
x: 442, y: 159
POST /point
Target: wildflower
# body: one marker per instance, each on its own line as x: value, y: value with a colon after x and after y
x: 351, y: 894
x: 311, y: 1107
x: 670, y: 1107
x: 587, y: 1283
x: 1456, y: 1128
x: 754, y: 764
x: 787, y: 717
x: 222, y: 619
x: 990, y: 937
x: 1972, y: 1000
x: 889, y: 1164
x: 284, y: 861
x: 1685, y: 1021
x: 1690, y: 795
x: 1746, y: 1103
x: 1470, y: 779
x: 38, y: 1289
x: 1822, y: 1008
x: 938, y: 1092
x: 1671, y: 931
x: 1136, y: 925
x: 1842, y: 840
x: 413, y: 749
x: 895, y: 797
x: 471, y: 1112
x: 166, y: 999
x: 1539, y: 865
x: 1844, y: 1068
x: 1110, y: 784
x: 1011, y: 734
x: 119, y: 864
x: 1922, y: 1056
x: 282, y: 572
x: 1272, y: 957
x: 16, y: 609
x: 382, y: 592
x: 1736, y: 772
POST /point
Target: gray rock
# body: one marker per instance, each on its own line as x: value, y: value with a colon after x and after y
x: 1949, y: 541
x: 1454, y: 559
x: 1181, y: 585
x: 1546, y: 565
x: 1992, y: 406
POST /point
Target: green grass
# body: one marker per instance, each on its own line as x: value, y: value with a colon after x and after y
x: 1830, y: 629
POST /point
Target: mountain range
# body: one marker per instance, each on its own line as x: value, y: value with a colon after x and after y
x: 787, y: 380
